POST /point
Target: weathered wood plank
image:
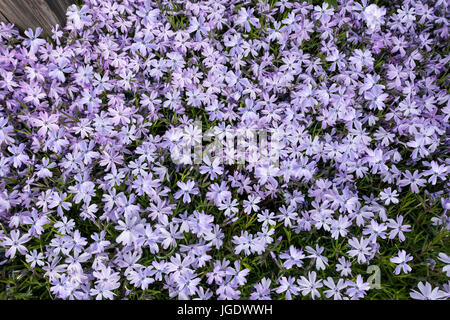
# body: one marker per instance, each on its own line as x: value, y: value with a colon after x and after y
x: 34, y: 13
x: 59, y: 8
x: 3, y: 18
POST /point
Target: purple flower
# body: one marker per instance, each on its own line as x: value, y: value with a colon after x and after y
x: 310, y: 285
x: 427, y: 292
x: 15, y: 243
x: 186, y: 189
x: 293, y: 257
x: 402, y: 259
x: 360, y: 249
x: 311, y: 124
x: 288, y: 286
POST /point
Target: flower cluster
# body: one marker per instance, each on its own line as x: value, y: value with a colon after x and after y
x: 92, y: 204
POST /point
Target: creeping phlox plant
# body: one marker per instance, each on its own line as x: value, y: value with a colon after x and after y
x: 94, y: 199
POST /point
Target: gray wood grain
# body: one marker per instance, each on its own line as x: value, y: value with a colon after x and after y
x: 34, y: 13
x: 59, y: 8
x: 3, y: 18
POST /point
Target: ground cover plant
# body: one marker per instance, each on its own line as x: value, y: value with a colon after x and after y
x: 120, y: 177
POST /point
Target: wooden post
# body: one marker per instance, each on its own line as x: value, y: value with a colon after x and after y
x: 34, y: 13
